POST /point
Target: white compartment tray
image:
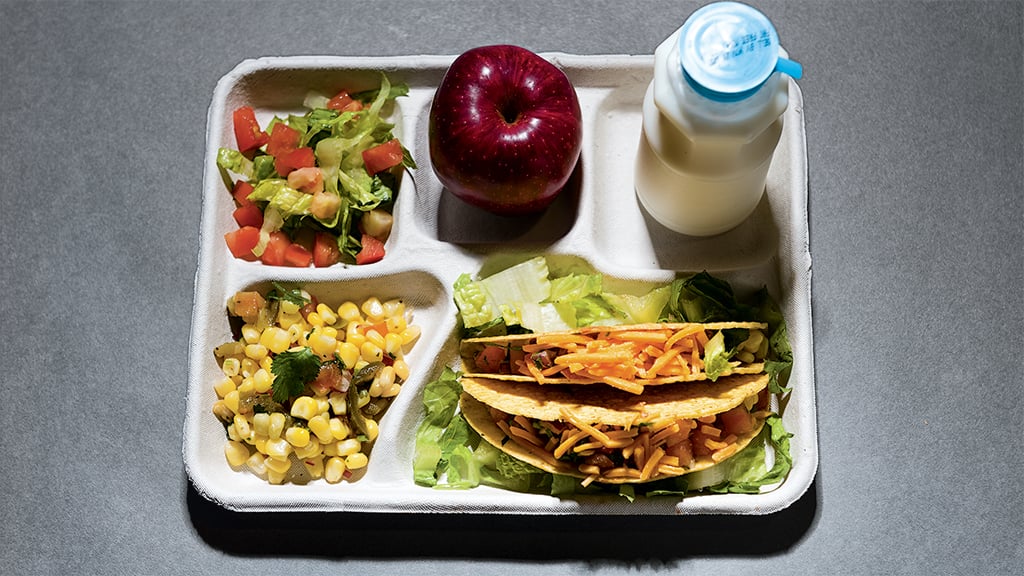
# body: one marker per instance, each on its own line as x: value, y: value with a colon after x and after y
x: 436, y: 237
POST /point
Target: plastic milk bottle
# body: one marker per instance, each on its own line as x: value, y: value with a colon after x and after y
x: 712, y: 117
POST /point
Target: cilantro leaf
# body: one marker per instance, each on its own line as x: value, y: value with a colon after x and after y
x: 281, y: 293
x: 292, y: 369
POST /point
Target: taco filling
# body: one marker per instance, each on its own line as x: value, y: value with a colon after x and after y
x: 609, y: 439
x: 624, y: 357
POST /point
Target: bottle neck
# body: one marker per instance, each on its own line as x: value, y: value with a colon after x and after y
x: 724, y: 97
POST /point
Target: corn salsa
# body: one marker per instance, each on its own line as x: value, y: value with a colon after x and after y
x: 305, y: 384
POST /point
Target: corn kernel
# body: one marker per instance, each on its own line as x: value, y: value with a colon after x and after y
x: 290, y: 321
x: 304, y: 407
x: 410, y: 334
x: 373, y: 309
x: 323, y: 406
x: 242, y: 427
x: 370, y: 352
x: 280, y: 465
x: 330, y: 331
x: 260, y: 442
x: 372, y: 430
x: 364, y: 399
x: 256, y: 351
x: 249, y: 367
x: 326, y: 314
x: 314, y: 319
x: 356, y: 461
x: 262, y: 381
x: 232, y: 434
x: 395, y: 324
x: 266, y: 363
x: 231, y: 401
x: 322, y: 344
x: 320, y: 426
x: 348, y: 312
x: 275, y: 339
x: 353, y: 334
x: 246, y: 387
x: 337, y: 401
x: 310, y: 450
x: 394, y: 307
x: 250, y: 334
x: 261, y: 423
x: 231, y: 366
x: 375, y: 338
x: 277, y: 420
x: 289, y: 307
x: 236, y: 453
x: 224, y: 386
x: 392, y: 391
x: 348, y: 352
x: 393, y: 343
x: 222, y: 411
x: 297, y: 436
x: 334, y: 470
x: 315, y: 467
x: 275, y: 477
x: 348, y: 447
x: 339, y: 429
x: 257, y: 463
x: 401, y: 370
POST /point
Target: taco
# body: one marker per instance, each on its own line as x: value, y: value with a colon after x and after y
x: 611, y: 436
x: 627, y: 357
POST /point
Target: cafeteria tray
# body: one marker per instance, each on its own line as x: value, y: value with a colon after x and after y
x: 597, y: 222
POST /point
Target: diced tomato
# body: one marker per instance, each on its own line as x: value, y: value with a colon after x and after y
x: 293, y: 160
x: 342, y: 102
x: 682, y: 450
x: 383, y: 156
x: 283, y: 138
x: 273, y: 255
x: 248, y: 215
x: 241, y: 192
x: 325, y: 250
x: 372, y: 251
x: 241, y: 242
x: 329, y: 378
x: 309, y: 308
x: 736, y: 421
x: 248, y: 134
x: 297, y: 255
x: 490, y: 359
x: 309, y: 180
x: 247, y: 305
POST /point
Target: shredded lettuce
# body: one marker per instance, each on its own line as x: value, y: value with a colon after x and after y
x: 440, y: 401
x: 503, y: 294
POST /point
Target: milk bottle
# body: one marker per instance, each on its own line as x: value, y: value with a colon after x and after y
x: 712, y: 118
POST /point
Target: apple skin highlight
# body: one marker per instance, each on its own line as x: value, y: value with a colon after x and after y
x: 505, y: 130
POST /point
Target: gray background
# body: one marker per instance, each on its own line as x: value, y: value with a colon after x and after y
x: 914, y: 128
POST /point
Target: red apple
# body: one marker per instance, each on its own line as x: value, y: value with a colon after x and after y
x: 505, y: 130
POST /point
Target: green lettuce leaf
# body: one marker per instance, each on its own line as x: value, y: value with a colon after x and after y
x: 288, y: 201
x: 440, y: 400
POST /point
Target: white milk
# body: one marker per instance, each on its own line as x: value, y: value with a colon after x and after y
x: 712, y: 117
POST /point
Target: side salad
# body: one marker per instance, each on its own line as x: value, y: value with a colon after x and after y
x: 527, y: 298
x: 317, y: 188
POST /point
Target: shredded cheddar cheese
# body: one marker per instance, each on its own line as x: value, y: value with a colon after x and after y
x: 623, y: 359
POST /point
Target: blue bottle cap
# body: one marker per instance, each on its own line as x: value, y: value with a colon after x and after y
x: 727, y: 50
